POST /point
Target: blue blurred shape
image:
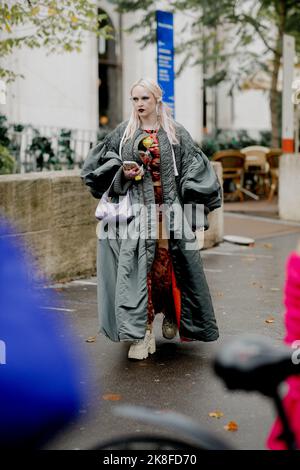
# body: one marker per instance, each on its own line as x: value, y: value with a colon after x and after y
x: 40, y: 367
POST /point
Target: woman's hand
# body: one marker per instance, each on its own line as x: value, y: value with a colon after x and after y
x: 133, y: 172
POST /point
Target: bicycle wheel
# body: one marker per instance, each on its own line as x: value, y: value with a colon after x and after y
x: 191, y: 435
x: 144, y: 442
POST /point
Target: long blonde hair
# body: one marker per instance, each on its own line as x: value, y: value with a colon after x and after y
x: 164, y: 115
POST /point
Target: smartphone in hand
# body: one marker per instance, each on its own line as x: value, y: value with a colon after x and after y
x: 130, y: 165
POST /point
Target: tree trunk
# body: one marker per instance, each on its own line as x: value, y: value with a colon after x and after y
x: 275, y: 102
x: 275, y: 96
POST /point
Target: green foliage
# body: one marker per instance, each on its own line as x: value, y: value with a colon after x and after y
x: 4, y: 139
x: 41, y: 150
x: 240, y: 23
x: 223, y: 140
x: 56, y: 25
x: 18, y: 127
x: 7, y: 162
x: 65, y: 152
x: 12, y: 146
x: 265, y: 139
x: 124, y: 6
x: 209, y: 145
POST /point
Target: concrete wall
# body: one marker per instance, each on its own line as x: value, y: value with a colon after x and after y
x: 54, y: 216
x: 289, y: 187
x: 246, y: 114
x: 57, y: 90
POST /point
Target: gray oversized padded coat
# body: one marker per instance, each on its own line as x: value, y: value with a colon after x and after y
x: 123, y: 262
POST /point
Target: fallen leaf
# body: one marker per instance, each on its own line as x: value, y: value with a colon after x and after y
x: 216, y: 414
x: 275, y: 289
x: 267, y: 245
x: 220, y: 294
x: 257, y: 284
x: 90, y: 339
x: 270, y: 319
x: 231, y: 426
x: 112, y: 396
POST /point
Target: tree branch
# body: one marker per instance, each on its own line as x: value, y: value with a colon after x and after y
x: 257, y: 28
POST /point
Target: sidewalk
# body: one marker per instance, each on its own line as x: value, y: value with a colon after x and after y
x: 261, y: 208
x: 256, y: 219
x: 246, y: 287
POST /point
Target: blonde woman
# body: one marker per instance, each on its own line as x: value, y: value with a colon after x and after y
x: 161, y: 273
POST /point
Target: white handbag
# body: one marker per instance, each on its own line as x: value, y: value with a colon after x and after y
x: 109, y: 211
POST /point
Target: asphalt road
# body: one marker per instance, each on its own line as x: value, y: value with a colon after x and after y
x: 246, y: 286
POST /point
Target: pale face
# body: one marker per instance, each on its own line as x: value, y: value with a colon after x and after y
x: 144, y: 102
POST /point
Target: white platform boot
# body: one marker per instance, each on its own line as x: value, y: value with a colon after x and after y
x: 140, y: 349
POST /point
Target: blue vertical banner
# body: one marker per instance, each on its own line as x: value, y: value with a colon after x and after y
x: 165, y: 56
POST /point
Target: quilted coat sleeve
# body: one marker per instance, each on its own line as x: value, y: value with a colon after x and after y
x: 102, y: 164
x: 198, y: 182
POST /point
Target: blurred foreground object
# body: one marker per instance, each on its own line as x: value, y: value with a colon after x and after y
x: 40, y: 367
x: 291, y: 401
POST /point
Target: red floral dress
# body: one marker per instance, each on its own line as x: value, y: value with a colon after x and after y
x: 161, y: 279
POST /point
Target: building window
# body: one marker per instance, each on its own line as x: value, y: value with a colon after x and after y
x: 109, y: 81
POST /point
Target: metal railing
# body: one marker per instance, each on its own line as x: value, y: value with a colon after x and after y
x: 38, y: 148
